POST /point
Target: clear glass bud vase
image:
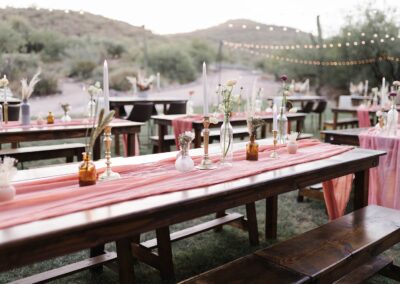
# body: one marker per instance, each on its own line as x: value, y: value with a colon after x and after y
x: 392, y: 119
x: 226, y: 141
x: 184, y: 162
x: 282, y: 126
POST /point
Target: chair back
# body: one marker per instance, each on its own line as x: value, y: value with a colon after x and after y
x: 308, y: 107
x: 345, y: 101
x: 177, y: 108
x: 141, y: 112
x: 13, y: 112
x: 321, y: 106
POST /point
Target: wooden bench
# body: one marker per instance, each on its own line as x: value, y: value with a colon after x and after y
x: 347, y: 250
x: 169, y: 140
x: 26, y: 154
x: 342, y: 123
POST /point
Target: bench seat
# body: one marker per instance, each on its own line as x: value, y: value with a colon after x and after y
x: 342, y: 123
x: 34, y: 153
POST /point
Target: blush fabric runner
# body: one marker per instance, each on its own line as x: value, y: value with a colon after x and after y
x: 182, y: 124
x: 59, y: 196
x: 384, y: 180
x: 363, y: 117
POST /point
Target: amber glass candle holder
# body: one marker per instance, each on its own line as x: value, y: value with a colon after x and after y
x: 50, y: 118
x: 87, y: 171
x: 252, y: 149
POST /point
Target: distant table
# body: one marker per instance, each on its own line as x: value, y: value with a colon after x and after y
x: 163, y: 121
x: 44, y: 239
x: 343, y: 136
x: 359, y: 98
x: 116, y: 102
x: 11, y: 101
x: 349, y: 110
x: 301, y: 99
x: 56, y: 132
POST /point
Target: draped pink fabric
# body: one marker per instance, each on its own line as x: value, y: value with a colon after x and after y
x: 337, y: 194
x: 61, y: 195
x: 183, y: 124
x: 363, y: 117
x: 384, y: 180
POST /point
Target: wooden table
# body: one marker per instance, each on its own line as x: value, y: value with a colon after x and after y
x: 163, y: 121
x: 11, y: 101
x: 116, y: 102
x: 343, y: 136
x: 28, y: 243
x: 55, y: 132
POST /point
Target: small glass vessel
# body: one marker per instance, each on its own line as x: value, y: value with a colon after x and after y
x: 87, y: 171
x: 50, y: 118
x: 184, y: 162
x: 392, y: 119
x: 226, y: 142
x: 91, y: 108
x: 252, y: 149
x: 66, y: 117
x: 282, y: 126
x: 7, y: 192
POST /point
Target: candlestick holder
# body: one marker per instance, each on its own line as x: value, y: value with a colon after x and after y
x: 206, y: 163
x: 5, y: 108
x: 108, y: 173
x: 274, y: 154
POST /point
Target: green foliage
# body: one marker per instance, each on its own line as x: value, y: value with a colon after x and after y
x: 47, y: 85
x: 114, y: 50
x: 84, y: 59
x: 173, y: 63
x: 118, y: 79
x: 10, y: 40
x: 47, y: 43
x: 201, y: 51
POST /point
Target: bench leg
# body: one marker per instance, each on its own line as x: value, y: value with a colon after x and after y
x: 361, y: 184
x: 219, y: 215
x: 271, y: 217
x: 125, y: 262
x: 252, y: 223
x: 96, y: 251
x: 70, y: 159
x: 165, y: 254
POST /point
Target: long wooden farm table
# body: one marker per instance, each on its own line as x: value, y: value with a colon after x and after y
x: 121, y: 222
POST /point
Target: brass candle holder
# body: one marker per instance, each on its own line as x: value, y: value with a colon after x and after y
x: 108, y: 173
x: 5, y: 108
x: 206, y: 163
x: 274, y: 154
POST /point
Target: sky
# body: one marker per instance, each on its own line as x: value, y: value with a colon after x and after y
x: 176, y: 16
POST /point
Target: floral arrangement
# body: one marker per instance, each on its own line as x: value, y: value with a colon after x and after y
x: 253, y: 123
x: 4, y: 82
x: 7, y: 170
x: 238, y: 99
x: 132, y: 80
x: 227, y: 99
x: 285, y: 91
x: 66, y: 107
x: 95, y: 90
x: 185, y: 138
x: 28, y: 88
x: 96, y: 130
x: 392, y: 96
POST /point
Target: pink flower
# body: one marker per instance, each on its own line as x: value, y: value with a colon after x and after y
x: 392, y: 94
x: 283, y: 78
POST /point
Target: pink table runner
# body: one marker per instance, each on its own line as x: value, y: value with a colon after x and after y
x: 363, y: 117
x: 59, y: 196
x: 384, y: 180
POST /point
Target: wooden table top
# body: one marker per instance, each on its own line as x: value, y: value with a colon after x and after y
x: 42, y: 239
x: 361, y: 97
x: 353, y: 109
x: 154, y: 98
x: 343, y: 136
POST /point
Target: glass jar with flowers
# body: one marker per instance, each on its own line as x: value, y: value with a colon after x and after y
x: 282, y: 119
x: 253, y: 124
x: 94, y: 93
x: 190, y: 104
x: 26, y: 92
x: 184, y: 162
x: 66, y: 109
x: 226, y: 133
x: 392, y: 116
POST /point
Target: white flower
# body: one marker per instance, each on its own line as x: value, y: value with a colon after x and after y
x: 231, y: 83
x: 94, y: 89
x: 286, y: 93
x: 4, y: 82
x: 213, y: 120
x: 293, y: 110
x: 379, y: 113
x: 396, y: 83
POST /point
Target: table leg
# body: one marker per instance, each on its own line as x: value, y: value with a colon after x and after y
x: 131, y: 147
x: 335, y: 119
x: 117, y: 148
x: 252, y: 223
x: 96, y: 251
x: 162, y: 131
x: 271, y: 217
x: 289, y: 127
x: 125, y: 262
x: 299, y: 125
x: 264, y: 131
x: 361, y: 184
x: 197, y: 138
x: 165, y: 108
x: 165, y: 254
x: 219, y: 214
x: 97, y: 149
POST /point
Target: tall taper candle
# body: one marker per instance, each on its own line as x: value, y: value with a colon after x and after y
x: 366, y: 88
x: 106, y: 89
x: 275, y: 117
x: 205, y: 95
x: 383, y: 88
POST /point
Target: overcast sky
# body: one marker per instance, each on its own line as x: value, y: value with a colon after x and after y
x: 173, y: 16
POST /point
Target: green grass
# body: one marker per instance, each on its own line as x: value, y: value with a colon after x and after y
x: 207, y: 250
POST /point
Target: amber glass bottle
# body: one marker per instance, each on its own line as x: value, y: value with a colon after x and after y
x: 87, y: 171
x: 50, y: 118
x: 252, y: 149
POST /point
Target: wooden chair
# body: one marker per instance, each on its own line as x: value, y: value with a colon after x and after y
x: 177, y: 108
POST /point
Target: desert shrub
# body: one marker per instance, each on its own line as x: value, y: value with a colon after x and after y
x: 118, y: 79
x: 83, y: 60
x: 173, y: 63
x: 114, y: 50
x: 49, y: 44
x: 47, y: 85
x: 17, y: 65
x: 200, y: 51
x: 82, y: 68
x: 10, y: 40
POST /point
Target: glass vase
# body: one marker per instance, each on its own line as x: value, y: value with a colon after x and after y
x: 282, y: 122
x: 91, y: 108
x: 252, y: 148
x: 226, y: 141
x: 189, y: 107
x: 25, y: 113
x: 184, y: 162
x: 392, y: 119
x: 7, y: 192
x: 66, y: 117
x: 87, y: 171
